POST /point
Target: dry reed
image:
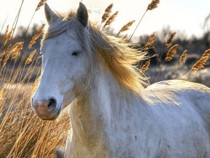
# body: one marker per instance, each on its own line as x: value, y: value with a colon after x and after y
x: 153, y: 4
x: 206, y: 53
x: 107, y: 13
x: 8, y: 35
x: 30, y: 58
x: 171, y: 52
x: 183, y: 57
x: 41, y: 3
x: 111, y: 19
x: 201, y: 62
x: 145, y: 67
x: 36, y: 36
x: 23, y: 134
x: 170, y: 40
x: 151, y: 40
x: 6, y: 58
x: 16, y: 50
x: 126, y: 27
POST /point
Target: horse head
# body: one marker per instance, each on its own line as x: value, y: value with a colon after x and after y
x: 64, y: 62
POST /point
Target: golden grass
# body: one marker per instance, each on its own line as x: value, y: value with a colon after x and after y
x: 170, y: 40
x: 41, y: 3
x: 171, y: 52
x: 30, y: 58
x: 8, y: 35
x: 153, y: 4
x: 206, y: 53
x: 199, y: 64
x: 16, y: 50
x: 145, y: 67
x: 23, y: 134
x: 107, y: 13
x: 126, y: 27
x: 183, y: 57
x: 151, y: 40
x: 111, y: 19
x: 36, y: 36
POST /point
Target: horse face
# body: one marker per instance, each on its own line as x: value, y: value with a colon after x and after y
x: 64, y: 65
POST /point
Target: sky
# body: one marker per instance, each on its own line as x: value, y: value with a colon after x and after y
x: 185, y: 16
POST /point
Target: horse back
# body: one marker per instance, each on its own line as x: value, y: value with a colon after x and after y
x: 186, y: 106
x: 185, y: 93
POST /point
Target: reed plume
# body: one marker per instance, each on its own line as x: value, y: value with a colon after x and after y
x: 13, y: 52
x: 206, y: 53
x: 145, y: 67
x: 151, y: 40
x: 153, y: 4
x: 126, y: 27
x: 36, y: 36
x: 183, y: 57
x: 5, y: 34
x: 171, y: 52
x: 199, y: 64
x: 35, y: 85
x: 170, y: 40
x: 30, y: 58
x: 110, y: 19
x: 107, y: 13
x: 16, y: 49
x: 41, y: 3
x: 8, y: 35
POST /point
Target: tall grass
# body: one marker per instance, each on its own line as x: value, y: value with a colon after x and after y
x: 22, y: 133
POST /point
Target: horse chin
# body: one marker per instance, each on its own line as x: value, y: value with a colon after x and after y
x: 50, y: 116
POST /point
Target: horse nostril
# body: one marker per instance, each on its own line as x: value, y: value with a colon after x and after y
x: 52, y: 104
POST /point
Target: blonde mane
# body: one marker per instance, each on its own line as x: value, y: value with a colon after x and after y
x: 111, y: 51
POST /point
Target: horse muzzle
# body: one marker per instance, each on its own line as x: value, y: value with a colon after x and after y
x: 46, y: 109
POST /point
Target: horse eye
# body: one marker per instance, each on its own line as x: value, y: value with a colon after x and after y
x: 75, y: 53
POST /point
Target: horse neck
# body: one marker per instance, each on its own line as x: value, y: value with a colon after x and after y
x: 91, y: 114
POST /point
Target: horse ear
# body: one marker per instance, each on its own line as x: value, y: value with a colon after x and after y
x: 82, y: 14
x: 49, y: 14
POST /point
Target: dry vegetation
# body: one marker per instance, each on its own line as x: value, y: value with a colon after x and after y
x: 22, y: 133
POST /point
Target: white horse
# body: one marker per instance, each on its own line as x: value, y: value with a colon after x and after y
x: 112, y: 114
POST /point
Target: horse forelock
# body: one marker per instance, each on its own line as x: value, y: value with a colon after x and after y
x: 115, y: 54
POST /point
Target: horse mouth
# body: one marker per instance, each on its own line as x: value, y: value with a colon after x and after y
x: 50, y: 115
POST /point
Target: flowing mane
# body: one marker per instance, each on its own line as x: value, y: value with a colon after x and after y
x: 111, y: 51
